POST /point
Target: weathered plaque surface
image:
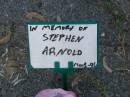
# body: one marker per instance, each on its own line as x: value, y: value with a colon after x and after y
x: 63, y: 42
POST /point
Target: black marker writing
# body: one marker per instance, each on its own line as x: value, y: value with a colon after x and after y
x: 65, y: 51
x: 62, y: 37
x: 33, y: 28
x: 58, y: 27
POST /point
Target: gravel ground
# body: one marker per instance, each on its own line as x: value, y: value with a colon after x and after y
x: 111, y: 80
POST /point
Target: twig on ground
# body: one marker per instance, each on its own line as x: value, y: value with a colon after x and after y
x: 105, y: 65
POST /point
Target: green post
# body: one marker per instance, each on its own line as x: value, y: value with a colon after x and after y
x: 64, y: 72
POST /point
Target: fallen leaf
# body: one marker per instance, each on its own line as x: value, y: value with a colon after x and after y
x: 10, y: 68
x: 5, y: 39
x: 34, y: 15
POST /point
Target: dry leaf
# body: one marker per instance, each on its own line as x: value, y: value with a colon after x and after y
x: 5, y: 39
x: 34, y: 15
x: 10, y: 68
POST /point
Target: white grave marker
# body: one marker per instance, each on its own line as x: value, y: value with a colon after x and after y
x: 49, y: 43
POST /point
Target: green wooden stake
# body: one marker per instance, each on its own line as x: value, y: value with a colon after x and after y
x: 64, y: 72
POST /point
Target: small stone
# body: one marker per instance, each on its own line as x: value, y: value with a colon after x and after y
x: 103, y: 34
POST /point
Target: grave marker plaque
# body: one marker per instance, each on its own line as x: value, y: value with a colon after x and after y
x: 63, y: 43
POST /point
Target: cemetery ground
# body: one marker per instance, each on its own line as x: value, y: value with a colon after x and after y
x: 110, y: 79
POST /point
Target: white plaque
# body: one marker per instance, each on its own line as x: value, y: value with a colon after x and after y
x: 63, y: 42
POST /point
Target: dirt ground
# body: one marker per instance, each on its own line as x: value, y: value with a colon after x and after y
x: 111, y: 79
